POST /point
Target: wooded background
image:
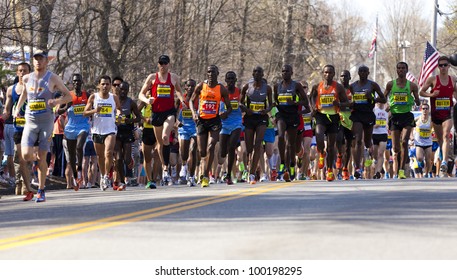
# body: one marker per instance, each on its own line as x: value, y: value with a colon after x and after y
x: 125, y: 38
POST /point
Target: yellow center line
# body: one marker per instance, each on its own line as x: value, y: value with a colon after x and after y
x: 132, y: 217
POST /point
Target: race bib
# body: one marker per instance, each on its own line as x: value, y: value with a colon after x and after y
x: 20, y: 122
x: 360, y: 98
x: 442, y: 104
x: 256, y: 107
x: 235, y: 104
x: 79, y: 109
x: 381, y: 123
x: 37, y: 105
x: 424, y: 133
x: 187, y: 114
x: 401, y: 98
x: 209, y: 107
x: 163, y: 91
x: 326, y: 100
x: 284, y: 98
x: 106, y: 110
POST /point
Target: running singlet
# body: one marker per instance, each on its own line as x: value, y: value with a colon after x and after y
x: 164, y: 94
x: 235, y: 116
x: 284, y: 95
x: 19, y: 122
x: 325, y: 98
x: 400, y: 99
x: 104, y: 122
x: 359, y: 98
x: 210, y: 99
x: 423, y: 133
x: 75, y: 112
x: 126, y: 113
x: 38, y: 95
x: 382, y: 118
x: 147, y: 113
x: 256, y: 97
x: 345, y: 114
x: 441, y: 105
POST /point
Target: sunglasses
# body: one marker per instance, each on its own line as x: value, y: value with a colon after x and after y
x: 443, y: 65
x: 163, y: 63
x: 116, y: 85
x: 424, y: 108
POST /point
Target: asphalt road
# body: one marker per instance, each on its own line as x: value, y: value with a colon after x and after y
x: 306, y: 220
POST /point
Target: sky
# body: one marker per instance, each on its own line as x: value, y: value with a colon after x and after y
x: 371, y: 8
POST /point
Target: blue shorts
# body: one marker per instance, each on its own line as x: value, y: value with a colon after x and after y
x: 435, y: 146
x: 269, y: 136
x: 73, y: 133
x: 89, y: 149
x: 389, y: 144
x: 186, y: 136
x: 228, y: 129
x: 8, y: 133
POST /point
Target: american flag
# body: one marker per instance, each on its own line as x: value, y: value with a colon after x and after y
x: 374, y: 41
x: 430, y: 63
x: 410, y: 77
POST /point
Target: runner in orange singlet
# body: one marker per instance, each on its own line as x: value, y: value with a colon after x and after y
x: 210, y: 93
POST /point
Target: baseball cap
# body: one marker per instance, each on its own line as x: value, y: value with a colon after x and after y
x: 42, y: 53
x: 164, y: 59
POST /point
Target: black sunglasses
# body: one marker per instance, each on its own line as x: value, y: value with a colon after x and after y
x: 424, y: 108
x: 163, y: 63
x: 116, y: 85
x: 443, y: 65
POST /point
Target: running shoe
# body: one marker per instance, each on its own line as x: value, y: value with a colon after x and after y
x: 40, y: 196
x: 115, y: 186
x: 292, y: 173
x: 122, y: 187
x: 321, y: 163
x: 286, y: 176
x: 150, y: 185
x: 229, y: 181
x: 205, y: 182
x: 330, y: 176
x: 443, y: 167
x: 345, y: 174
x: 28, y: 196
x: 401, y: 174
x: 191, y: 181
x: 212, y: 180
x: 357, y: 174
x: 252, y: 180
x: 339, y: 161
x: 302, y: 177
x: 273, y: 175
x: 264, y: 178
x: 78, y: 185
x: 377, y: 175
x: 88, y: 185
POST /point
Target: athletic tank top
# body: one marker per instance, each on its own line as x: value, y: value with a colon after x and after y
x: 400, y: 99
x: 126, y: 113
x: 325, y: 98
x: 104, y: 122
x: 423, y: 132
x: 147, y: 113
x: 256, y: 97
x: 441, y: 105
x: 382, y: 118
x: 18, y: 122
x: 210, y: 99
x: 164, y: 94
x: 38, y: 95
x: 235, y: 117
x: 76, y: 110
x: 359, y: 99
x: 285, y: 94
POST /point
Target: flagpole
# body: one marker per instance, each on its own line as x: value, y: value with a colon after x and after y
x: 434, y: 23
x: 375, y: 57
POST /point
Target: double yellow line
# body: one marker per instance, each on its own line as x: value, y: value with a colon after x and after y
x: 118, y: 220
